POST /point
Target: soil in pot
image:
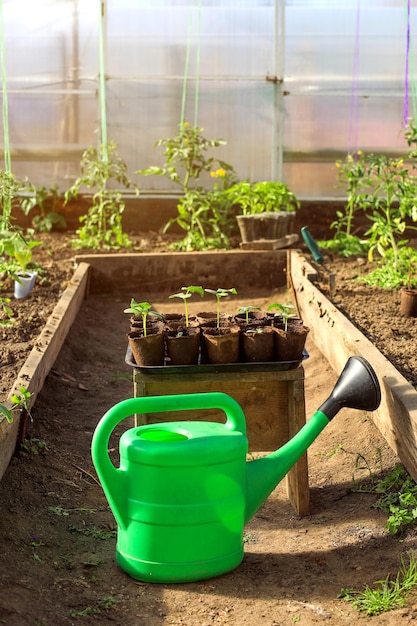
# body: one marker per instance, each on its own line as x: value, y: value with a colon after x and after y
x: 183, y: 345
x: 254, y: 319
x: 408, y: 302
x: 147, y: 350
x: 258, y: 344
x: 222, y: 344
x: 289, y: 344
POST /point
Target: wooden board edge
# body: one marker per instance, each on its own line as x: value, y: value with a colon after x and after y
x: 338, y: 339
x: 33, y: 373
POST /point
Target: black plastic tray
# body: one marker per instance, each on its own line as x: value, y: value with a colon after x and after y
x: 213, y: 368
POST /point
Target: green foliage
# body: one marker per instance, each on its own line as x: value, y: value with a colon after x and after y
x: 285, y: 311
x: 7, y: 311
x: 102, y: 225
x: 185, y: 293
x: 394, y: 272
x: 186, y: 158
x: 206, y: 216
x: 388, y: 594
x: 220, y: 293
x: 19, y: 400
x: 11, y: 191
x: 142, y: 309
x: 398, y: 498
x: 385, y: 189
x: 345, y: 245
x: 262, y: 196
x: 97, y: 608
x: 245, y: 310
x: 45, y: 201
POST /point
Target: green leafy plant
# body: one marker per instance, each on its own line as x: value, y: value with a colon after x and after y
x: 285, y: 311
x: 19, y: 400
x: 203, y: 214
x: 219, y: 294
x: 388, y: 594
x: 262, y: 196
x: 184, y: 294
x: 385, y: 189
x: 398, y: 498
x: 45, y: 201
x: 142, y: 309
x: 97, y: 608
x: 245, y: 310
x: 102, y: 225
x: 393, y: 273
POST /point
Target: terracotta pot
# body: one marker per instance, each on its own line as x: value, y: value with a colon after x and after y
x: 408, y: 303
x: 289, y: 344
x: 183, y: 345
x: 149, y: 350
x: 222, y: 344
x: 258, y: 345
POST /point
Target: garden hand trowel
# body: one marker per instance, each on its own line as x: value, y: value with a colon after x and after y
x: 318, y: 257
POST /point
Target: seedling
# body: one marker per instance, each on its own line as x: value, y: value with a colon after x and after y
x: 184, y: 294
x: 19, y: 400
x: 142, y: 309
x: 285, y: 311
x: 245, y: 310
x: 220, y: 293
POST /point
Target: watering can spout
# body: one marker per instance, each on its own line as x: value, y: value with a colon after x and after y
x: 357, y: 387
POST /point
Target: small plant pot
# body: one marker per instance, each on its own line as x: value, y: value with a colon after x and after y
x: 183, y: 345
x: 24, y: 284
x: 149, y: 350
x: 289, y: 344
x: 255, y: 319
x: 258, y: 345
x: 222, y: 344
x: 408, y: 302
x: 209, y: 319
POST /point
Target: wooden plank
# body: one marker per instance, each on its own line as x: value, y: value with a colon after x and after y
x: 37, y: 366
x: 338, y: 339
x: 273, y: 403
x: 248, y: 271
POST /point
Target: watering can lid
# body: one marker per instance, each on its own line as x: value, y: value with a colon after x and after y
x: 190, y: 442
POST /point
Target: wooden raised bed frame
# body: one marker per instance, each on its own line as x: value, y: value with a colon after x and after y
x: 396, y: 417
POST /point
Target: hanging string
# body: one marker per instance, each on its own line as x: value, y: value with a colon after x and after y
x: 197, y: 80
x: 102, y: 82
x: 5, y: 105
x: 354, y: 102
x: 407, y: 56
x: 187, y: 64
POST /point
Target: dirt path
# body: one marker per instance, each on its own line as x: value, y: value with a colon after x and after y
x: 58, y: 536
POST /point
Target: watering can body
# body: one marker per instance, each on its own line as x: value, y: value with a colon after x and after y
x: 183, y: 491
x: 179, y: 494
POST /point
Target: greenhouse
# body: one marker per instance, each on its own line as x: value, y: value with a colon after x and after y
x: 208, y: 305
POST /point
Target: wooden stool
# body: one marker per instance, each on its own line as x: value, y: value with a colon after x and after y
x: 272, y: 400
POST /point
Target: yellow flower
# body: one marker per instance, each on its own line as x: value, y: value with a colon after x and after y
x: 359, y: 152
x: 186, y: 124
x: 221, y: 172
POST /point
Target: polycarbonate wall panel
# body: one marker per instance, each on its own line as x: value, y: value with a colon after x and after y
x: 342, y: 63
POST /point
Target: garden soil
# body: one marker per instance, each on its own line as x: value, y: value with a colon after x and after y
x: 57, y: 534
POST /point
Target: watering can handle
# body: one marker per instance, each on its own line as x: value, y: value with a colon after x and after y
x: 108, y: 473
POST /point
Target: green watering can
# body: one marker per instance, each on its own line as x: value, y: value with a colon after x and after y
x: 184, y: 491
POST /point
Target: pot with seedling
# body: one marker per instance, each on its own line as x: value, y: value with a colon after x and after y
x: 183, y: 340
x: 257, y: 336
x: 221, y: 342
x: 290, y: 334
x: 146, y: 342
